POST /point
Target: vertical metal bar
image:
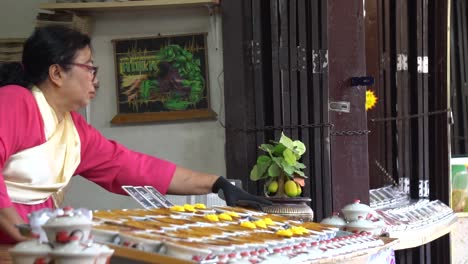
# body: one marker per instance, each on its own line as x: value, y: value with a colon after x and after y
x: 420, y: 103
x: 388, y: 79
x: 373, y: 39
x: 304, y: 96
x: 464, y: 74
x: 405, y: 76
x: 399, y: 87
x: 316, y: 110
x: 425, y: 85
x: 325, y: 118
x: 257, y: 65
x: 293, y: 62
x: 438, y: 251
x: 455, y: 76
x: 275, y: 67
x: 284, y: 63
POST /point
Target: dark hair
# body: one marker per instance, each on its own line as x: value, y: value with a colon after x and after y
x: 46, y: 46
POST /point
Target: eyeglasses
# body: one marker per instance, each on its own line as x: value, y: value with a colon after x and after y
x: 92, y: 69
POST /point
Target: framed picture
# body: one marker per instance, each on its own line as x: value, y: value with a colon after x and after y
x: 162, y: 78
x: 459, y: 184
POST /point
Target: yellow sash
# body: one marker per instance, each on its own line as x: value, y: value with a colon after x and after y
x: 33, y: 175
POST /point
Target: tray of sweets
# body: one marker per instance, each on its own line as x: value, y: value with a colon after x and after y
x: 387, y: 196
x: 416, y: 214
x: 221, y: 234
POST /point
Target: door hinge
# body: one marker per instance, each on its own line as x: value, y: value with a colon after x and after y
x: 423, y: 64
x: 255, y: 52
x: 402, y: 62
x: 301, y: 58
x: 320, y: 61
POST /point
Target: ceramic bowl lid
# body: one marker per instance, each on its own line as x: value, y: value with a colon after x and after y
x: 357, y: 206
x: 69, y: 217
x: 32, y: 246
x: 334, y: 220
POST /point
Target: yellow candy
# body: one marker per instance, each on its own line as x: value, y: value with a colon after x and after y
x: 268, y: 221
x: 260, y: 223
x: 231, y: 213
x: 212, y: 217
x: 285, y: 232
x: 200, y: 206
x: 248, y: 225
x: 189, y: 208
x: 296, y: 230
x: 177, y: 208
x: 304, y: 230
x: 224, y: 216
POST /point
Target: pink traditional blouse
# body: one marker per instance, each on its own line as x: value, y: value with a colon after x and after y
x: 104, y: 162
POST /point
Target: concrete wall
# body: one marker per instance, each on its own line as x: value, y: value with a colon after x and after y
x: 459, y: 241
x: 198, y: 145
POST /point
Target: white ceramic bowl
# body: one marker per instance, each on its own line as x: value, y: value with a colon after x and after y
x: 335, y: 221
x: 70, y: 258
x: 59, y: 229
x: 361, y: 225
x: 355, y: 210
x: 74, y: 253
x: 105, y: 253
x: 28, y: 252
x: 53, y: 232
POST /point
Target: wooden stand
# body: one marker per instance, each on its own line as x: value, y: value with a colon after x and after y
x: 421, y: 236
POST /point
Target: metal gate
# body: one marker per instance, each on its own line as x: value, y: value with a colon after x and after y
x: 407, y: 52
x: 280, y: 65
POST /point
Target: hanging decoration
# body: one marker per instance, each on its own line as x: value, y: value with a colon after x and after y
x: 371, y: 99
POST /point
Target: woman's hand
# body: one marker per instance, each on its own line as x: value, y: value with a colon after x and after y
x: 236, y: 196
x: 8, y: 219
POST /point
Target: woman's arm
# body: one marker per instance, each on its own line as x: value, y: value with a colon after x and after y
x: 186, y: 181
x: 8, y: 219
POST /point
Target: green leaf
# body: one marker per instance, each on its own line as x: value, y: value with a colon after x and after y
x: 279, y: 161
x: 300, y: 173
x: 278, y: 149
x: 267, y: 148
x: 289, y: 157
x: 254, y: 174
x: 263, y: 159
x: 287, y: 142
x: 274, y: 170
x: 299, y: 166
x: 289, y: 170
x: 299, y: 147
x: 263, y: 162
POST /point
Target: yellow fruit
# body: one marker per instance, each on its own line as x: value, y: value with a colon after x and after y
x: 273, y: 187
x: 299, y: 189
x: 290, y: 188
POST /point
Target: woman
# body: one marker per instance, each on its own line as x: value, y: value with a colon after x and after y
x: 44, y: 142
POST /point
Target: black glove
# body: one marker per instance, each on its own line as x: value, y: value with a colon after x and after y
x: 236, y: 196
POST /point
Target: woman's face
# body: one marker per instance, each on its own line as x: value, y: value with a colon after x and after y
x: 81, y: 81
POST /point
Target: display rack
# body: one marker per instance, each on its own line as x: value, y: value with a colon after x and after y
x: 360, y: 256
x: 418, y: 237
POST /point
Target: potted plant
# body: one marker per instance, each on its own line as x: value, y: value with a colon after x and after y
x: 280, y: 167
